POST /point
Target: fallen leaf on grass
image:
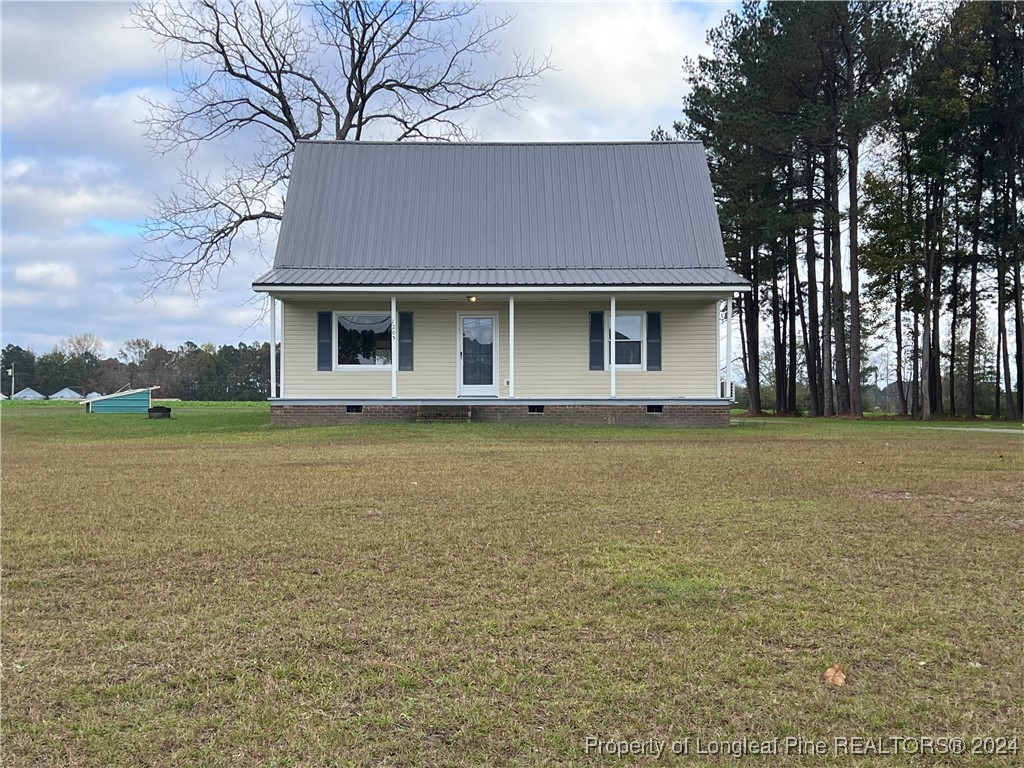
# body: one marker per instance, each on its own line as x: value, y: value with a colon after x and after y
x: 835, y: 675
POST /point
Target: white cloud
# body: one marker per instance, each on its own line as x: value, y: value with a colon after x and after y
x: 619, y: 68
x: 47, y: 274
x: 74, y: 44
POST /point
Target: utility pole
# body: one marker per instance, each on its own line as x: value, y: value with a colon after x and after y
x: 10, y: 372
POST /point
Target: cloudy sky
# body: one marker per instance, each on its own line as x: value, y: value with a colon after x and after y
x: 79, y: 177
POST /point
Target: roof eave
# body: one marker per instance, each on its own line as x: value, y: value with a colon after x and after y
x: 448, y: 288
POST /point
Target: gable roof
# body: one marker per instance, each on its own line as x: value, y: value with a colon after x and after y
x: 27, y: 394
x: 407, y: 214
x: 65, y: 394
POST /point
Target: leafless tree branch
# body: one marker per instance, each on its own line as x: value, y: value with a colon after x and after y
x: 265, y: 75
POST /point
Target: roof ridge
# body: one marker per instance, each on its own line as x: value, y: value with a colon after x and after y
x: 615, y: 143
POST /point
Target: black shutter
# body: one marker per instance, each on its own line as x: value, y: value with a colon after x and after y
x: 324, y: 337
x: 405, y: 341
x: 597, y: 341
x: 654, y: 341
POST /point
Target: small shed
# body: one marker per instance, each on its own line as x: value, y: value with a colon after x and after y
x: 28, y: 394
x: 127, y: 401
x: 66, y: 394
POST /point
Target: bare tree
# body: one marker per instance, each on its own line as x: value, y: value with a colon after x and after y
x: 134, y: 351
x: 81, y: 344
x: 266, y: 75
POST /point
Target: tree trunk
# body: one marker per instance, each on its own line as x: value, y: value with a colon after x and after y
x: 1018, y: 294
x: 928, y: 404
x: 842, y: 388
x: 972, y: 330
x: 1011, y: 406
x: 750, y: 319
x: 752, y: 338
x: 812, y: 347
x: 779, y: 346
x: 826, y: 324
x: 901, y: 391
x: 794, y: 290
x: 853, y: 154
x: 916, y: 410
x: 954, y: 310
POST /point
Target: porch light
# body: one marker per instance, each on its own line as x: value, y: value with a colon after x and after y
x: 471, y: 298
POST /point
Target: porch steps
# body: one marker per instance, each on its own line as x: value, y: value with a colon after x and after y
x: 444, y: 413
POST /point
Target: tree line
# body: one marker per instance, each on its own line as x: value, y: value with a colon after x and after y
x: 189, y: 372
x: 877, y: 140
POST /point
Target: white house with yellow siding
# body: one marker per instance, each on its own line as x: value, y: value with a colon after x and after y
x: 500, y: 282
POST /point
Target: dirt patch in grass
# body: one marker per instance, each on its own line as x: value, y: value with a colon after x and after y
x: 214, y: 591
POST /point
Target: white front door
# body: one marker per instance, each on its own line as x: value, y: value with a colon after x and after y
x: 478, y: 355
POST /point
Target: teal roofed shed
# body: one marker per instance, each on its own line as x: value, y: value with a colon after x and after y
x: 129, y: 401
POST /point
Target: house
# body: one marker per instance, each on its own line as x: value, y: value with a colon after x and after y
x: 93, y: 395
x: 66, y: 394
x: 506, y: 282
x: 125, y: 401
x: 27, y: 394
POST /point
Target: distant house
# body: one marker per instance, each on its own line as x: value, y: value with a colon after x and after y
x: 511, y: 282
x: 127, y: 401
x: 28, y: 394
x: 66, y: 394
x: 93, y: 395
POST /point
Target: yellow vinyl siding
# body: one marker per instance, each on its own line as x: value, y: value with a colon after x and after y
x: 435, y: 332
x: 552, y: 350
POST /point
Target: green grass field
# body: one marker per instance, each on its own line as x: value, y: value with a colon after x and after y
x: 211, y: 591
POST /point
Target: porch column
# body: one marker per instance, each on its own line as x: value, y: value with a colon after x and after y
x: 511, y: 347
x: 727, y: 389
x: 719, y: 374
x: 394, y: 347
x: 611, y: 353
x: 273, y: 346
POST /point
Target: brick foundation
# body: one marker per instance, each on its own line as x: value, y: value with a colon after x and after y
x: 672, y: 415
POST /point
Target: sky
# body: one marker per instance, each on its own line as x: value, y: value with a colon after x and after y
x: 79, y: 176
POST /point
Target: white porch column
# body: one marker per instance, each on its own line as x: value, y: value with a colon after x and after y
x: 719, y: 374
x: 611, y: 352
x: 394, y: 347
x: 280, y: 373
x: 511, y: 347
x: 273, y: 346
x: 728, y: 350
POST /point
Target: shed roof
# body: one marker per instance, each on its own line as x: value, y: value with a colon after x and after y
x: 122, y: 393
x: 408, y: 214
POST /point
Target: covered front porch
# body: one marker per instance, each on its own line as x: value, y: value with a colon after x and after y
x: 485, y: 347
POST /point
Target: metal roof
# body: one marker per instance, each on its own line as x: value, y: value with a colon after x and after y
x: 122, y: 393
x: 405, y: 214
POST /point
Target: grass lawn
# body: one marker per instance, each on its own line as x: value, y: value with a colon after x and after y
x: 208, y: 590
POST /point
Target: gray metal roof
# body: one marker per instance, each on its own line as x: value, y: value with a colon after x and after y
x: 405, y: 214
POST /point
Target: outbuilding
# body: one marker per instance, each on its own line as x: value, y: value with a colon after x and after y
x: 66, y: 394
x: 127, y: 401
x: 28, y: 394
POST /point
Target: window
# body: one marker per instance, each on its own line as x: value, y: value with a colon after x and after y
x: 629, y: 339
x: 362, y: 340
x: 637, y: 342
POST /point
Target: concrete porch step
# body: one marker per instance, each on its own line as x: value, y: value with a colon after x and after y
x: 447, y: 413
